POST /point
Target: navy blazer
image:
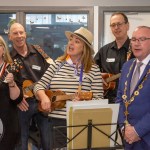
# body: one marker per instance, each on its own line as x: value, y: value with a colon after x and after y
x: 139, y: 109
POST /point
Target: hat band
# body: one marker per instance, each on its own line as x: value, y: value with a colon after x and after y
x: 83, y: 38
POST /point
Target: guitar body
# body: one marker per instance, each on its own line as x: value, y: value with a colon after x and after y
x: 109, y: 79
x: 111, y: 85
x: 53, y: 95
x: 26, y: 88
x: 54, y: 104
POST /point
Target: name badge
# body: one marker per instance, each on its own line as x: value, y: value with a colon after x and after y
x: 110, y: 60
x: 36, y: 67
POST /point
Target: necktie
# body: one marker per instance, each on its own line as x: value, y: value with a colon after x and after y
x: 135, y: 77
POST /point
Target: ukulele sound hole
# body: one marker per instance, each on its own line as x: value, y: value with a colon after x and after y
x: 53, y: 98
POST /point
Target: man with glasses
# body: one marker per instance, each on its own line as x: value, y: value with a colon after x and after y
x: 112, y: 56
x: 135, y: 104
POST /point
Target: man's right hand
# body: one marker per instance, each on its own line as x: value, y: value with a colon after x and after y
x: 23, y: 105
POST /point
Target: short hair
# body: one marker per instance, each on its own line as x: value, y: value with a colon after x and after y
x: 146, y: 27
x: 16, y: 23
x: 123, y: 15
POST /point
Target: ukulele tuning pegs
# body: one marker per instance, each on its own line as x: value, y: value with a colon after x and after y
x: 13, y: 68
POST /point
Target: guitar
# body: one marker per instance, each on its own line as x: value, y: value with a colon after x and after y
x: 59, y: 98
x: 27, y: 88
x: 108, y: 78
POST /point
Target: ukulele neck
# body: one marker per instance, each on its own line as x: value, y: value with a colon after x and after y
x: 64, y: 97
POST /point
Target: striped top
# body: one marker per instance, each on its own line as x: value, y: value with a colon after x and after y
x: 62, y: 76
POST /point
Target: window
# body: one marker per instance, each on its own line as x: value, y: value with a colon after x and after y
x: 48, y: 30
x: 6, y: 19
x: 46, y: 26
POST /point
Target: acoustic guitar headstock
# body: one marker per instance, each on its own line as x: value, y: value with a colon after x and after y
x: 11, y: 68
x: 16, y: 65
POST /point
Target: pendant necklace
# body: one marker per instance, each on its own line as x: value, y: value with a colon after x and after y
x: 136, y: 93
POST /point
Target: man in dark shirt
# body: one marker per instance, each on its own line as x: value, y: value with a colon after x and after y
x: 33, y: 65
x: 112, y: 56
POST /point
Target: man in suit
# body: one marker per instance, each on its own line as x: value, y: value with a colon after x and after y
x: 135, y: 104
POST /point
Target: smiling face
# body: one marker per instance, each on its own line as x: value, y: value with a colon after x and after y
x: 75, y: 48
x: 119, y: 27
x: 17, y: 35
x: 141, y: 49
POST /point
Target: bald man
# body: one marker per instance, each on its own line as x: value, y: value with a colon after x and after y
x: 33, y: 67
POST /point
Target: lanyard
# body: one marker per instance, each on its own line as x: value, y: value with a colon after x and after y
x: 75, y: 66
x: 70, y: 63
x: 80, y: 79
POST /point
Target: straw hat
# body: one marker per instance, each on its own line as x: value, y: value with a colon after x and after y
x: 84, y: 34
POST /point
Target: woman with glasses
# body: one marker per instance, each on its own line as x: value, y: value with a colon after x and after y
x: 10, y: 96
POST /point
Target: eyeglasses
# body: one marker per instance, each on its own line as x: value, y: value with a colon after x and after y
x: 119, y: 24
x: 141, y: 39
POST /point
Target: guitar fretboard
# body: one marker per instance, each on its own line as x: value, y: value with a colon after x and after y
x: 112, y: 78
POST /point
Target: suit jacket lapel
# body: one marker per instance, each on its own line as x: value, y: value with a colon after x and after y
x: 144, y: 73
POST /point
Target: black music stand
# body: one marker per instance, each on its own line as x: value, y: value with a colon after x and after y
x: 89, y: 127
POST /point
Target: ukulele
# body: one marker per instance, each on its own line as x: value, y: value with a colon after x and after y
x: 108, y: 78
x: 59, y: 98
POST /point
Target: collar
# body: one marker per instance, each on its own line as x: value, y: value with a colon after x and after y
x: 29, y: 47
x: 125, y: 45
x: 145, y: 61
x: 69, y: 61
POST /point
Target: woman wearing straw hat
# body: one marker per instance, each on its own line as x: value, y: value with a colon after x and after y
x: 74, y: 72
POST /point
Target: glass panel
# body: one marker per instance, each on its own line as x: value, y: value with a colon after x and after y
x: 5, y: 21
x: 48, y: 30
